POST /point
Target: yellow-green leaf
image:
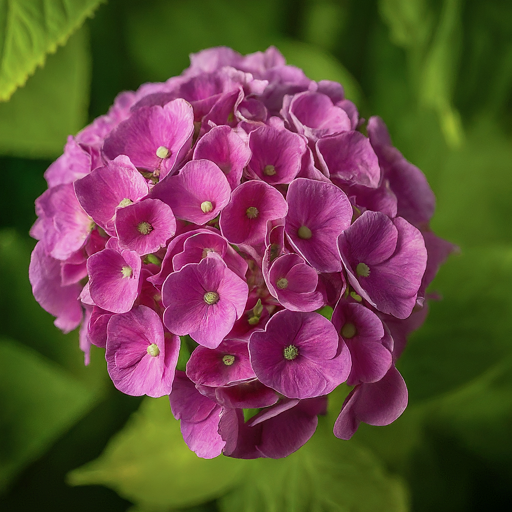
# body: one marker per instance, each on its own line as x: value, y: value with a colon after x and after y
x: 52, y: 105
x: 30, y: 29
x: 39, y: 402
x: 149, y: 463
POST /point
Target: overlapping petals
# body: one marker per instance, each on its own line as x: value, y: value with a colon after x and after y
x: 238, y: 206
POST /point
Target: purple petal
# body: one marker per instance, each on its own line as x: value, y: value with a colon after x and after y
x: 107, y: 188
x: 134, y: 364
x: 378, y: 404
x: 351, y: 158
x: 197, y: 194
x: 114, y: 279
x: 145, y: 227
x: 59, y: 301
x: 149, y: 129
x: 324, y: 211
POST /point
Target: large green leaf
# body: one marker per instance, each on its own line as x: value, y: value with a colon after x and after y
x: 149, y: 463
x: 51, y: 106
x: 327, y: 474
x: 39, y: 401
x: 474, y: 187
x: 432, y: 39
x: 24, y: 320
x: 467, y: 332
x: 479, y: 415
x: 30, y: 29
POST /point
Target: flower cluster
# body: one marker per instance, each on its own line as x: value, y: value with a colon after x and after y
x: 211, y: 217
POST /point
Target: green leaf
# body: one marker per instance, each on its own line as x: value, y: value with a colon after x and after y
x: 327, y: 474
x: 468, y: 331
x: 30, y: 30
x: 433, y: 42
x: 320, y: 65
x: 51, y: 106
x: 149, y: 463
x: 24, y: 320
x: 39, y: 402
x: 478, y: 415
x: 474, y: 187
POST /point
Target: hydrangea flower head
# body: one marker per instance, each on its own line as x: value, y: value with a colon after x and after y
x: 223, y: 210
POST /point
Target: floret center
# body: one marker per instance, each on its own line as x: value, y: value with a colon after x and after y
x: 206, y: 206
x: 348, y: 330
x: 362, y: 270
x: 269, y: 170
x: 125, y: 202
x: 144, y: 228
x: 304, y: 232
x: 153, y: 350
x: 228, y: 359
x: 211, y: 298
x: 252, y: 212
x: 163, y: 152
x: 126, y: 271
x: 282, y: 283
x: 290, y: 352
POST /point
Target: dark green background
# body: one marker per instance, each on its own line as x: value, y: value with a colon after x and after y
x: 440, y: 74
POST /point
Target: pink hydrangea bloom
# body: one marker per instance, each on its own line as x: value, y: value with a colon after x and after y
x: 228, y: 206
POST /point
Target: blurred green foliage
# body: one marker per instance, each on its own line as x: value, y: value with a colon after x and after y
x: 440, y: 74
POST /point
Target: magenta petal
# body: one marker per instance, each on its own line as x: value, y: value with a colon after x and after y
x: 59, y: 301
x: 145, y: 227
x: 392, y: 281
x: 131, y: 366
x: 203, y: 437
x: 293, y: 282
x: 416, y: 201
x: 114, y: 279
x: 226, y: 364
x: 378, y: 404
x: 197, y: 194
x: 287, y: 432
x: 150, y: 128
x: 186, y: 402
x: 75, y: 163
x: 325, y: 211
x: 63, y: 225
x: 107, y: 188
x: 185, y: 292
x: 314, y: 115
x: 252, y: 205
x: 225, y: 148
x: 292, y: 353
x: 351, y: 158
x: 276, y: 154
x: 250, y: 394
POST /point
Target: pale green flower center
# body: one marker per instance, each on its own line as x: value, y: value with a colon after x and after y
x: 304, y: 232
x: 125, y: 202
x: 144, y: 228
x: 211, y: 298
x: 163, y: 152
x: 362, y: 270
x: 228, y: 359
x: 126, y: 271
x: 269, y: 170
x: 290, y: 352
x: 282, y: 283
x: 348, y: 330
x: 206, y: 206
x: 252, y: 212
x: 153, y: 350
